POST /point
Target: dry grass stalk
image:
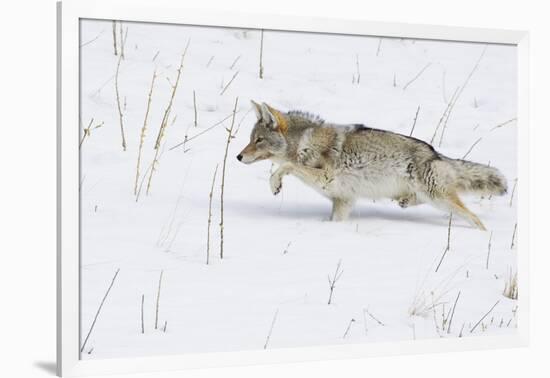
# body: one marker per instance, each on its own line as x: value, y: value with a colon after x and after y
x: 230, y: 136
x: 504, y: 123
x: 229, y: 83
x: 99, y: 310
x: 195, y: 108
x: 451, y: 107
x: 120, y: 115
x: 88, y: 130
x: 445, y: 114
x: 378, y: 48
x: 374, y: 318
x: 114, y: 38
x: 484, y: 316
x: 511, y: 286
x: 210, y: 61
x: 188, y: 139
x: 512, y: 244
x: 168, y: 109
x: 122, y: 41
x: 394, y: 80
x: 155, y: 56
x: 158, y: 300
x: 448, y: 247
x: 489, y: 250
x: 332, y: 281
x: 348, y: 328
x: 415, y: 118
x: 138, y: 194
x: 286, y: 248
x: 164, y: 122
x: 513, y: 192
x: 142, y: 321
x: 261, y: 72
x: 271, y: 328
x: 210, y: 215
x: 365, y: 322
x: 358, y: 72
x: 234, y: 62
x: 165, y: 324
x: 416, y: 76
x: 453, y: 103
x: 471, y: 148
x: 452, y: 314
x: 143, y: 131
x: 93, y: 39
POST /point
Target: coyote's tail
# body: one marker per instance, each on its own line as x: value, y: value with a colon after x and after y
x: 478, y: 178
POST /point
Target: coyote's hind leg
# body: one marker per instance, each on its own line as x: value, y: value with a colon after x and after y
x: 454, y: 204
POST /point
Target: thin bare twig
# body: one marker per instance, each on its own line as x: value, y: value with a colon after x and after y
x: 210, y: 61
x: 414, y: 122
x: 234, y: 62
x: 142, y: 322
x: 271, y: 328
x: 99, y: 310
x: 504, y: 123
x: 87, y: 132
x: 358, y: 73
x: 471, y: 148
x: 114, y: 37
x: 261, y: 71
x: 332, y: 281
x: 484, y: 316
x: 210, y: 215
x: 476, y: 65
x: 452, y: 314
x: 120, y: 115
x: 92, y: 40
x: 514, y: 236
x: 229, y: 83
x: 448, y: 247
x: 186, y: 140
x: 164, y: 122
x: 513, y: 192
x: 348, y: 328
x: 417, y: 76
x: 374, y: 318
x: 143, y: 131
x: 445, y: 113
x: 489, y: 250
x: 229, y: 137
x: 158, y: 300
x: 378, y: 48
x: 195, y: 108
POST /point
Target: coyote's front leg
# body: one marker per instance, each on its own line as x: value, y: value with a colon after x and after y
x: 312, y: 176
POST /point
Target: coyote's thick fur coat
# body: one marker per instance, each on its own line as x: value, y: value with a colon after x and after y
x: 347, y: 162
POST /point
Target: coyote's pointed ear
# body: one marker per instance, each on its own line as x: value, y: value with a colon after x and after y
x: 274, y: 118
x: 257, y: 109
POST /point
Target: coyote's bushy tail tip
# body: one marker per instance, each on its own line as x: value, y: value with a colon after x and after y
x: 478, y: 178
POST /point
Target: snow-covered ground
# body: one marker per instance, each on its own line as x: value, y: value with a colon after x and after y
x: 280, y: 250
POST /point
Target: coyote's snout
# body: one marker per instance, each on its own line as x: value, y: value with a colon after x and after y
x: 347, y: 162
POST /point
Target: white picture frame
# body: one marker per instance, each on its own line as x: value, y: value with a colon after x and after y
x: 169, y: 11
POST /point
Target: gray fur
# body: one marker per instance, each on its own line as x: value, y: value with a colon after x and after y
x: 347, y: 162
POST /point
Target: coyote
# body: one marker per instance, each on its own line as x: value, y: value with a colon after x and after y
x: 346, y: 162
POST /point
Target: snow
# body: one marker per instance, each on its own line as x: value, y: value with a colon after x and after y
x: 280, y: 250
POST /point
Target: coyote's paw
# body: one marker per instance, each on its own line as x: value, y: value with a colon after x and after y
x: 403, y: 203
x: 276, y: 183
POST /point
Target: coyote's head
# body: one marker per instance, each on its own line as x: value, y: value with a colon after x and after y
x: 267, y: 140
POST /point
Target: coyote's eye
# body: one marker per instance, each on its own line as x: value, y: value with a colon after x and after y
x: 258, y: 140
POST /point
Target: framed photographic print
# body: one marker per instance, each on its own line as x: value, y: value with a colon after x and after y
x: 240, y: 189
